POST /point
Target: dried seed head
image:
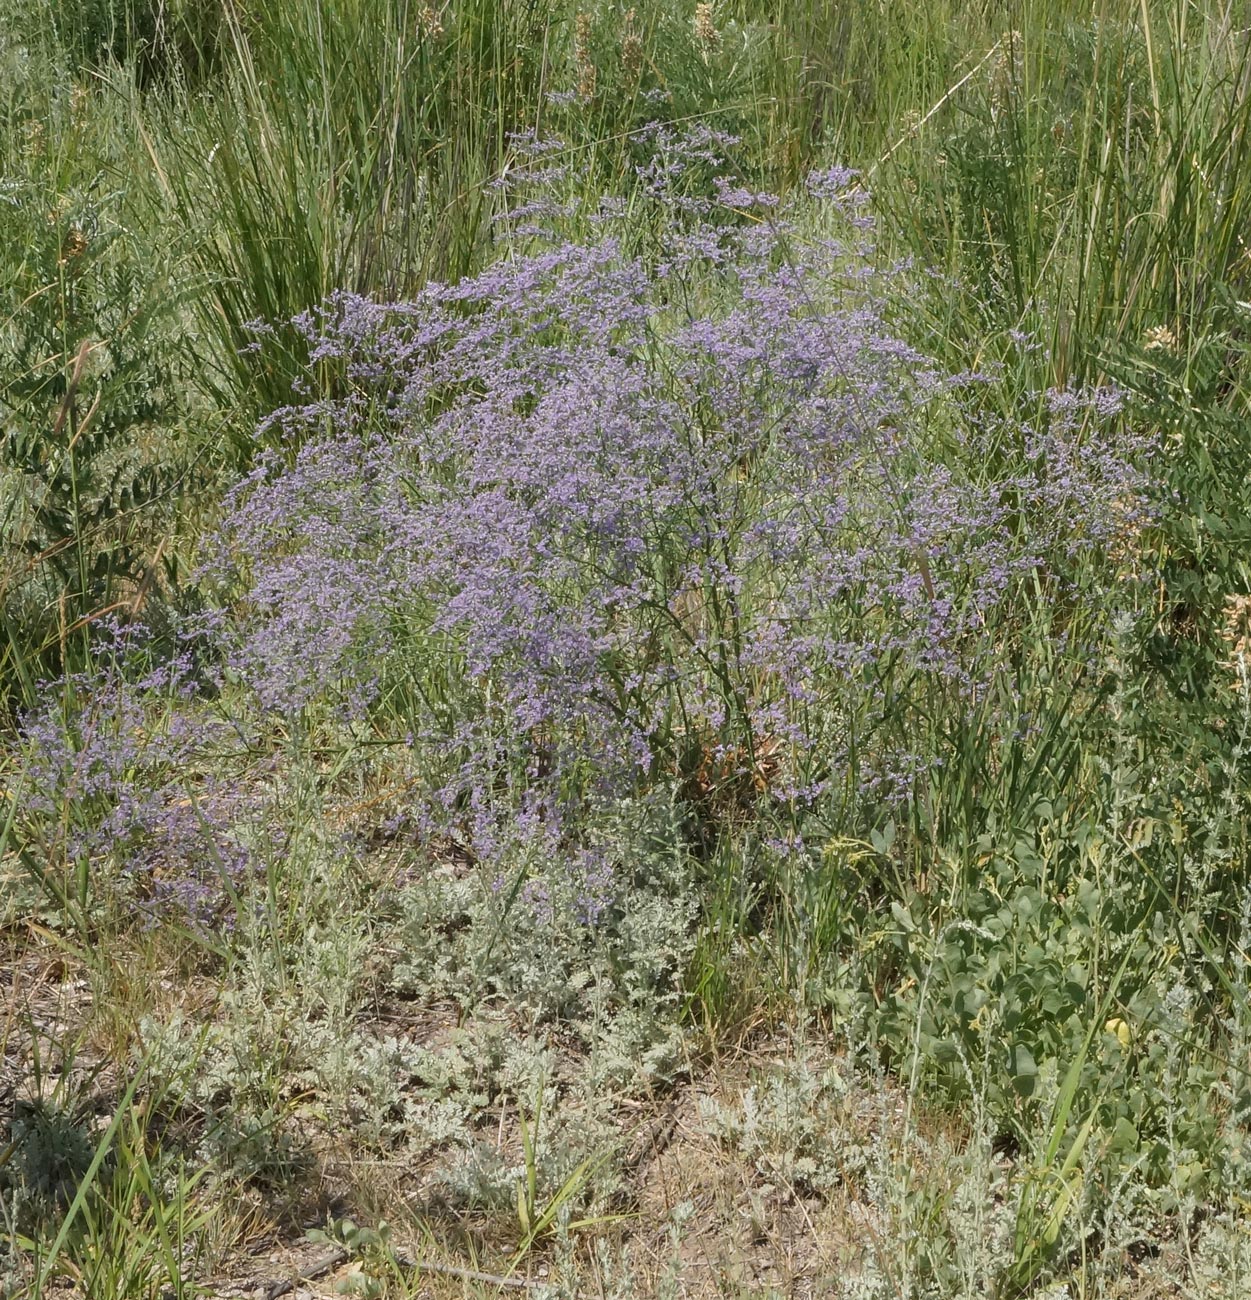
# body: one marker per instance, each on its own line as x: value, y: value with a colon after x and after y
x: 73, y: 246
x: 583, y: 63
x: 430, y: 23
x: 631, y: 48
x: 1160, y: 338
x: 706, y: 35
x: 36, y: 138
x: 1236, y: 634
x: 1005, y: 73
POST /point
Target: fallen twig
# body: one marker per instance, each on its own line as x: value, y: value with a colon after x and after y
x: 318, y: 1268
x: 332, y: 1259
x: 467, y: 1274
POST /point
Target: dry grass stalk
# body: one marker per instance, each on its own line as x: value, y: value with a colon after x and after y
x: 583, y: 62
x: 706, y: 35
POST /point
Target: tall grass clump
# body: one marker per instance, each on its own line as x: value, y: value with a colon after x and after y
x: 336, y: 150
x: 1083, y: 182
x: 353, y: 148
x: 1080, y: 173
x: 160, y: 39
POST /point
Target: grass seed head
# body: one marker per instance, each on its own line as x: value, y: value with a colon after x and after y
x: 631, y: 47
x: 706, y: 35
x: 583, y: 62
x: 430, y: 23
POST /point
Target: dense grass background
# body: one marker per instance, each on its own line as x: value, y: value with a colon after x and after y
x: 1039, y: 956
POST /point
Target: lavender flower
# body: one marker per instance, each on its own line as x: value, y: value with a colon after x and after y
x: 609, y: 516
x: 107, y: 780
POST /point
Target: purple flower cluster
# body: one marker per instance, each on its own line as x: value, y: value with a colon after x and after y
x: 599, y: 508
x: 117, y: 774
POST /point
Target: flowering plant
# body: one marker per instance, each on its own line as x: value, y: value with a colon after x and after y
x: 691, y: 512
